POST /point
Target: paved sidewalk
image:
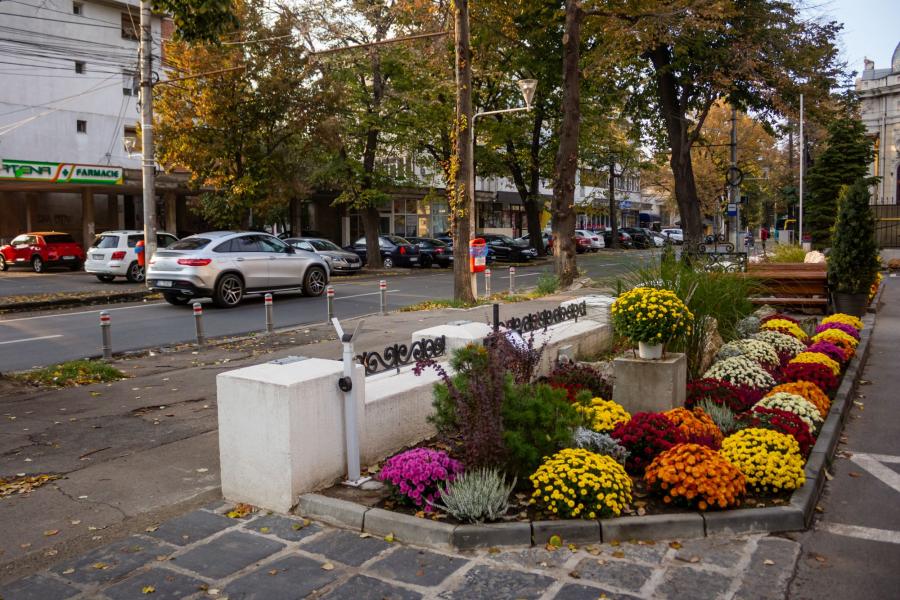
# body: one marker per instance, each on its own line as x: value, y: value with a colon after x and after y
x: 272, y: 557
x: 853, y: 548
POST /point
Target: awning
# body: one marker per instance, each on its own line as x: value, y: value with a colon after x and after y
x: 650, y: 218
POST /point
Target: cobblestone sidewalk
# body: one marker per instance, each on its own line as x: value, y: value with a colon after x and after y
x: 270, y: 557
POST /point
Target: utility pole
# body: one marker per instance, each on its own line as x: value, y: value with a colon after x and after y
x: 802, y: 165
x: 735, y: 190
x: 613, y: 215
x: 148, y: 162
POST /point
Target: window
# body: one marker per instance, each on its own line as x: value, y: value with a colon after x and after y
x: 59, y: 238
x: 303, y: 245
x: 79, y: 67
x: 271, y: 244
x: 163, y: 241
x: 248, y: 243
x: 191, y: 243
x: 81, y: 126
x: 106, y: 241
x: 130, y: 29
x: 22, y: 240
x: 223, y: 247
x: 77, y: 9
x: 131, y: 85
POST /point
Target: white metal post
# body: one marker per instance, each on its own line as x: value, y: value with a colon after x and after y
x: 487, y: 283
x: 802, y: 161
x: 351, y: 418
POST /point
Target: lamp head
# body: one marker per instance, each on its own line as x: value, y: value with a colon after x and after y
x: 528, y: 86
x: 129, y: 144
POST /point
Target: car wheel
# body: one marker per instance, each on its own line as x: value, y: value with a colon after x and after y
x: 135, y: 273
x: 229, y: 291
x: 76, y: 267
x: 427, y: 262
x: 515, y: 257
x: 388, y: 262
x: 106, y: 278
x: 37, y: 263
x: 4, y: 266
x: 315, y: 281
x: 175, y: 299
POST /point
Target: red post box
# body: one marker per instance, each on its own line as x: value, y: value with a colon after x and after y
x: 477, y: 255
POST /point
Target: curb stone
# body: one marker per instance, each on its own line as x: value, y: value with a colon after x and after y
x: 87, y: 300
x: 791, y: 517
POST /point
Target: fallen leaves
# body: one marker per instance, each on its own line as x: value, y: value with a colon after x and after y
x: 148, y: 590
x: 327, y: 567
x: 51, y: 532
x: 297, y: 526
x: 100, y: 566
x: 22, y: 485
x: 854, y: 474
x: 618, y: 554
x: 273, y: 572
x: 68, y: 571
x: 389, y: 537
x: 674, y: 545
x: 556, y: 541
x: 241, y: 511
x: 769, y: 562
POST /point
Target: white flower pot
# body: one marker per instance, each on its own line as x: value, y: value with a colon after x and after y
x: 650, y: 351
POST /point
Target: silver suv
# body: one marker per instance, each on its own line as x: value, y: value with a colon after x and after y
x: 226, y: 265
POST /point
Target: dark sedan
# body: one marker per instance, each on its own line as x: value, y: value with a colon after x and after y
x: 434, y: 252
x: 339, y: 261
x: 640, y: 237
x: 625, y: 240
x: 395, y: 251
x: 491, y: 255
x: 508, y: 249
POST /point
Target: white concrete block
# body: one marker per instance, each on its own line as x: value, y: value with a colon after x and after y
x: 586, y: 338
x: 281, y: 430
x: 459, y: 334
x: 650, y: 385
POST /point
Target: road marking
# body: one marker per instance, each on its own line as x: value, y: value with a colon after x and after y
x: 865, y: 533
x: 875, y: 467
x: 46, y: 337
x: 336, y: 297
x: 84, y: 312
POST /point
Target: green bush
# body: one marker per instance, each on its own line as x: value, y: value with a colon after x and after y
x: 785, y: 253
x: 853, y: 262
x: 538, y: 421
x: 547, y: 284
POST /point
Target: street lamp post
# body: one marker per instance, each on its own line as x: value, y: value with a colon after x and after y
x: 528, y: 87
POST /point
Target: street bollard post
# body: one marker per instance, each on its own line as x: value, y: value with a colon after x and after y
x: 487, y: 283
x: 106, y: 336
x: 512, y: 280
x: 383, y: 287
x: 198, y: 322
x: 329, y: 296
x: 496, y: 317
x: 270, y: 320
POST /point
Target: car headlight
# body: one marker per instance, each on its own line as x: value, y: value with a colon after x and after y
x: 341, y: 261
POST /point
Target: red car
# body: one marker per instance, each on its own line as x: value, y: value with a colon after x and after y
x: 42, y: 250
x: 582, y: 244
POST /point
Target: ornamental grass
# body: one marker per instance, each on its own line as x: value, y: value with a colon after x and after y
x: 819, y: 359
x: 694, y: 474
x: 577, y: 483
x: 781, y: 421
x: 784, y: 326
x: 715, y: 391
x: 793, y: 403
x: 645, y: 436
x: 835, y: 353
x: 602, y: 416
x: 820, y: 375
x: 696, y: 426
x: 808, y: 390
x: 770, y: 460
x: 650, y: 315
x: 848, y: 329
x: 844, y: 318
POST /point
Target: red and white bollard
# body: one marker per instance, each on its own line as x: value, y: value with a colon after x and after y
x: 270, y: 319
x: 383, y: 288
x: 329, y: 296
x: 198, y: 321
x: 512, y: 280
x: 487, y: 283
x: 106, y: 335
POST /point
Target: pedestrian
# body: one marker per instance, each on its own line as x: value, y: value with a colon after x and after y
x: 763, y: 236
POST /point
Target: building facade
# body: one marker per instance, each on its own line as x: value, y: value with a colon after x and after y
x: 879, y: 90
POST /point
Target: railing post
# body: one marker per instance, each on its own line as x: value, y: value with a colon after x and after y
x: 270, y: 320
x: 329, y: 295
x: 383, y: 288
x: 487, y: 283
x: 106, y: 337
x: 512, y: 280
x: 496, y: 317
x: 198, y: 322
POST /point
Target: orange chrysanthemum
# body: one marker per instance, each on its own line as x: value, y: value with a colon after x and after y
x: 808, y: 390
x: 697, y: 426
x: 695, y: 474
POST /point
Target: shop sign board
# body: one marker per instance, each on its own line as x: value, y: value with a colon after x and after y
x: 46, y: 172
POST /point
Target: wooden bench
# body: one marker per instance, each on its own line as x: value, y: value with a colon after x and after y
x: 797, y: 281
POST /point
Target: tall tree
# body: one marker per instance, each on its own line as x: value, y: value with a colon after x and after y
x: 200, y: 21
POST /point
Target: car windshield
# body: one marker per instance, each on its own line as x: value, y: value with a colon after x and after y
x: 397, y: 241
x: 61, y: 238
x: 106, y: 241
x: 506, y: 240
x: 191, y: 243
x: 323, y: 245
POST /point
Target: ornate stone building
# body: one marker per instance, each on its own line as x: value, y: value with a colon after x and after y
x: 880, y: 93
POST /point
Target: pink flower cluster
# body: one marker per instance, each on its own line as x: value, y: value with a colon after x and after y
x: 848, y: 329
x: 833, y: 352
x: 416, y: 474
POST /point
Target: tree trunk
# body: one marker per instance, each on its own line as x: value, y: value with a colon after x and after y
x: 534, y: 208
x: 370, y: 218
x: 533, y: 216
x: 562, y: 207
x: 464, y: 205
x: 613, y: 216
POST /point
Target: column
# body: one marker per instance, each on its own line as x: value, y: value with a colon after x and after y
x: 31, y: 200
x: 87, y: 217
x: 171, y: 212
x: 113, y: 214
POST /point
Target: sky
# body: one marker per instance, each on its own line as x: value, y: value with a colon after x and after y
x: 870, y: 30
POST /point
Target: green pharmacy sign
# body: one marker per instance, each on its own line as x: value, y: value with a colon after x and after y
x: 25, y: 170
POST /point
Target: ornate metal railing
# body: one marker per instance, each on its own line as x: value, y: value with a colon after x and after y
x: 399, y: 355
x: 715, y: 253
x: 545, y: 318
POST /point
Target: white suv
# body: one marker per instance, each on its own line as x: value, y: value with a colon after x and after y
x: 112, y: 255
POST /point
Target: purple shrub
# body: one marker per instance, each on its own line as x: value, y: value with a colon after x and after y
x: 833, y: 352
x: 415, y: 475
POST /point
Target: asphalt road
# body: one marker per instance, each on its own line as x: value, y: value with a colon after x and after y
x: 50, y: 338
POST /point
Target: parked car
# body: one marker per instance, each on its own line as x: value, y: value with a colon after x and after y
x: 658, y: 238
x: 112, y: 255
x: 42, y: 250
x: 227, y: 265
x: 625, y: 240
x: 582, y: 244
x: 508, y: 249
x: 548, y: 240
x: 639, y: 237
x: 676, y: 235
x: 491, y: 255
x: 434, y: 252
x: 304, y: 233
x: 395, y: 251
x: 595, y: 239
x: 339, y: 261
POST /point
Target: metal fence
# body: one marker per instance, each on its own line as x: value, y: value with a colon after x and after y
x: 400, y: 355
x: 887, y: 225
x: 545, y: 318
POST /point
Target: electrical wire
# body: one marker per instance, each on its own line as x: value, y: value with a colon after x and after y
x: 4, y: 129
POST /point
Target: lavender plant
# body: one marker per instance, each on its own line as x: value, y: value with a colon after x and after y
x: 476, y: 496
x: 601, y: 443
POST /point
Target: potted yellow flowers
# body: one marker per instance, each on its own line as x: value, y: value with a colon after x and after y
x: 651, y: 317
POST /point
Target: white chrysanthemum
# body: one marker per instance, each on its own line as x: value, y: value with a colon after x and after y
x: 741, y: 370
x: 758, y: 350
x: 782, y: 342
x: 796, y: 404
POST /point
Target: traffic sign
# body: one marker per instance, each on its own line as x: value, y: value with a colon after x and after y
x: 732, y: 209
